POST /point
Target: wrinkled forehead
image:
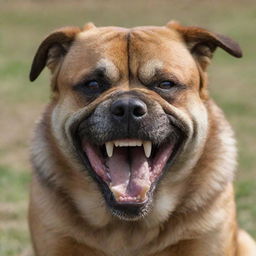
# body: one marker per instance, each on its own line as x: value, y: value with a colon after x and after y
x: 138, y: 52
x: 157, y: 50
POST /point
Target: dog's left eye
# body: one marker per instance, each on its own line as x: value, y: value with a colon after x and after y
x: 166, y: 85
x: 93, y: 85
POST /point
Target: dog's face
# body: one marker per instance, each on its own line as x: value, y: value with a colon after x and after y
x: 129, y: 107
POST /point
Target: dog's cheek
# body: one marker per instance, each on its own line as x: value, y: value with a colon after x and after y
x: 62, y: 111
x: 198, y: 115
x: 83, y: 190
x: 194, y: 114
x: 172, y: 186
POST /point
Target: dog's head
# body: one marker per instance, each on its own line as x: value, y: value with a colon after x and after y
x: 129, y: 108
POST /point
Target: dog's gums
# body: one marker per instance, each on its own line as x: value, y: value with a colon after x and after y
x: 131, y: 170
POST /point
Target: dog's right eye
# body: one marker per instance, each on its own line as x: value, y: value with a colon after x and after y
x: 91, y: 88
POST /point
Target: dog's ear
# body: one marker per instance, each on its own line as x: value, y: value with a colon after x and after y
x: 202, y: 43
x: 52, y: 49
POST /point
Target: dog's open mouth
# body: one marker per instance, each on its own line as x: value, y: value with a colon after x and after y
x: 129, y: 167
x: 128, y: 158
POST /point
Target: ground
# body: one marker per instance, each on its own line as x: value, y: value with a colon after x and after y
x: 23, y: 24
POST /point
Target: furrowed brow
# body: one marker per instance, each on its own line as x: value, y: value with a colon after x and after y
x: 149, y: 70
x: 109, y: 68
x: 105, y: 70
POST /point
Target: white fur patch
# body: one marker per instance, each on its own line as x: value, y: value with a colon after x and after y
x: 148, y: 70
x: 110, y: 68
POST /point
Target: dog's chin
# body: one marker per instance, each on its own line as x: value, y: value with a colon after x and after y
x: 128, y: 171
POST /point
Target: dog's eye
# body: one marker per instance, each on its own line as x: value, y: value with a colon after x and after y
x: 166, y: 85
x: 93, y: 85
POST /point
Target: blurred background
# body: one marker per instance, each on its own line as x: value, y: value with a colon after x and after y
x: 24, y: 23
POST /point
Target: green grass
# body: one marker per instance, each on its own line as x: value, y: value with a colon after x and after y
x: 13, y: 184
x: 13, y: 202
x: 25, y: 23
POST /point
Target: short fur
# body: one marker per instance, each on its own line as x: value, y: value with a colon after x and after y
x: 193, y: 209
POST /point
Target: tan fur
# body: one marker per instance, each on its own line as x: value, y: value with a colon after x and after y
x: 193, y: 211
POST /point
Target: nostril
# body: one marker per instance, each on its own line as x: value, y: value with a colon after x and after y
x: 139, y: 110
x: 118, y: 111
x: 119, y: 108
x: 138, y: 107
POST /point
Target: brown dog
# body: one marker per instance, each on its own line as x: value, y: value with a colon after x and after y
x: 132, y: 157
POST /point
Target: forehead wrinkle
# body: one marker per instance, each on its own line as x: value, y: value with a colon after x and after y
x: 149, y: 69
x: 109, y: 68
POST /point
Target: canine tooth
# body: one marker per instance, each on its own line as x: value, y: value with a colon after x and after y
x: 109, y: 148
x: 147, y: 145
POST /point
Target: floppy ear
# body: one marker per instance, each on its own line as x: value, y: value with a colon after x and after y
x: 52, y: 49
x: 202, y: 43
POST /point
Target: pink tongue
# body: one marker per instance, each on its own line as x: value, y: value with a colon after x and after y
x: 130, y: 173
x: 127, y: 172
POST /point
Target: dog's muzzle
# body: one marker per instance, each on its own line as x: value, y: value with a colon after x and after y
x: 126, y: 144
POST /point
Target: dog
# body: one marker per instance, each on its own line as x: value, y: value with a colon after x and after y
x: 132, y: 156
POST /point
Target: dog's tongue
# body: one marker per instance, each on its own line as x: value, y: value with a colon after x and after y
x: 130, y: 174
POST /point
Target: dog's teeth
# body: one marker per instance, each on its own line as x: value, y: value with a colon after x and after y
x: 147, y: 145
x: 132, y: 143
x: 139, y: 143
x: 117, y: 143
x: 127, y: 143
x: 109, y: 148
x: 143, y: 193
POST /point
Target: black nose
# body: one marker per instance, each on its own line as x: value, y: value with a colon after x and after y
x: 128, y: 107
